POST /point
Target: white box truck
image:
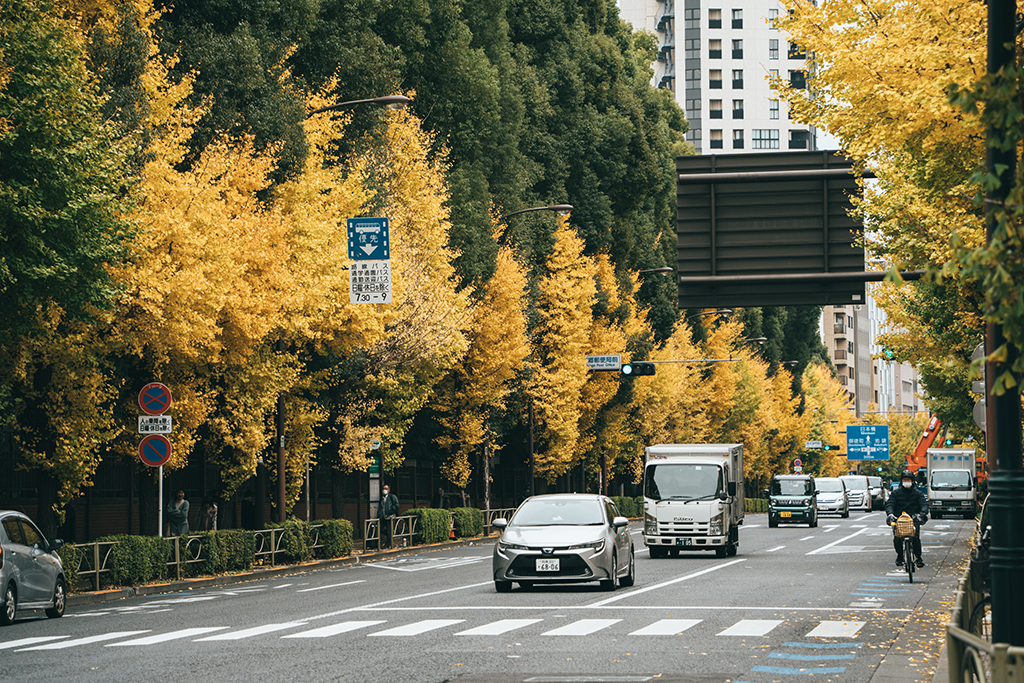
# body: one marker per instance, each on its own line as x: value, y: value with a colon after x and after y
x: 693, y: 498
x: 952, y: 486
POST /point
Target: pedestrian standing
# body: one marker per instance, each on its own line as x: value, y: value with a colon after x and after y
x: 248, y: 511
x: 387, y: 509
x: 177, y: 514
x: 438, y: 501
x: 208, y: 515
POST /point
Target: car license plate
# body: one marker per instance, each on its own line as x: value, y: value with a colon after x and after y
x: 785, y: 514
x: 684, y: 541
x: 547, y: 564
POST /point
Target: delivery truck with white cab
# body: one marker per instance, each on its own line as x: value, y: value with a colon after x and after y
x: 952, y: 486
x: 693, y: 498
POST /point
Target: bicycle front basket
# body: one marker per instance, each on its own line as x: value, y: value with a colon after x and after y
x: 904, y: 527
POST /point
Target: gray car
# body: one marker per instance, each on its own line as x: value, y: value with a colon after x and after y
x: 564, y: 538
x: 31, y: 574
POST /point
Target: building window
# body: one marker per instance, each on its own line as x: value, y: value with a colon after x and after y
x: 773, y: 48
x: 773, y: 109
x: 773, y: 73
x: 714, y: 49
x: 737, y: 109
x: 737, y: 49
x: 796, y: 52
x: 737, y: 79
x: 692, y: 77
x: 714, y: 18
x: 715, y: 109
x: 764, y: 138
x: 798, y: 79
x: 737, y: 139
x: 773, y: 14
x: 715, y: 79
x: 716, y: 139
x: 737, y: 18
x: 799, y: 139
x: 692, y: 49
x: 691, y: 18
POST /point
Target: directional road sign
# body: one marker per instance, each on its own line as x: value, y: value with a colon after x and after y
x: 155, y: 398
x: 611, y: 361
x: 369, y: 282
x: 154, y: 450
x: 867, y: 442
x: 368, y: 239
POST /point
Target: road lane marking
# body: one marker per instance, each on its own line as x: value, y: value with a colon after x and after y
x: 836, y: 629
x: 334, y: 629
x: 824, y: 646
x: 28, y: 641
x: 164, y: 637
x: 498, y: 627
x: 772, y: 550
x: 834, y: 543
x: 750, y: 627
x: 447, y: 564
x: 806, y: 538
x: 377, y: 605
x: 808, y: 658
x: 250, y: 632
x: 656, y: 586
x: 335, y: 585
x: 666, y: 627
x: 583, y: 627
x: 418, y: 627
x: 797, y: 672
x: 83, y: 641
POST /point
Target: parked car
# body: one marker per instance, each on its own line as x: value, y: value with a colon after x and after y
x: 31, y: 573
x: 858, y: 491
x: 792, y: 499
x: 879, y: 494
x: 563, y: 538
x: 832, y: 498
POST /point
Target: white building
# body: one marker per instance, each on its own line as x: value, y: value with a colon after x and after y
x: 716, y: 57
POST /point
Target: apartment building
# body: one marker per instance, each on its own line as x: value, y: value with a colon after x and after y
x: 716, y: 56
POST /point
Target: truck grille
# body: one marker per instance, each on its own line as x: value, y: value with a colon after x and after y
x: 682, y: 529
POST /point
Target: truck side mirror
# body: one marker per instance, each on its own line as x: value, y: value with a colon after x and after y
x: 732, y: 488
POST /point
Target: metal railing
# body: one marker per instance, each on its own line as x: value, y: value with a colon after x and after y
x: 491, y: 515
x: 971, y: 657
x: 403, y: 531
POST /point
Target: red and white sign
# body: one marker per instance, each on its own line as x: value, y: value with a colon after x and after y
x: 155, y: 398
x: 154, y: 450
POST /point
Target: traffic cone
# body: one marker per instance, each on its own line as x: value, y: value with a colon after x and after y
x: 451, y: 527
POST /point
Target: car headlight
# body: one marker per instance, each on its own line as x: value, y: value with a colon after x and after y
x: 596, y: 546
x: 807, y: 501
x: 650, y: 524
x: 715, y: 528
x: 502, y: 546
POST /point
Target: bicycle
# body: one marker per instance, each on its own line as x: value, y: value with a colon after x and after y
x: 905, y: 528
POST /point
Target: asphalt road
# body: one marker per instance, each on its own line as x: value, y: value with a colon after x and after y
x: 824, y: 604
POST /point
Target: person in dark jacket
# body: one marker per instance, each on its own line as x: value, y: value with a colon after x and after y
x: 907, y: 498
x: 387, y: 509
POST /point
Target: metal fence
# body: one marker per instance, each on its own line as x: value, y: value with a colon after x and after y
x: 971, y: 657
x: 403, y: 530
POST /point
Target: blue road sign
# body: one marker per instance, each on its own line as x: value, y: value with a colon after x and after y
x: 867, y: 442
x: 368, y: 239
x: 154, y: 450
x: 155, y: 398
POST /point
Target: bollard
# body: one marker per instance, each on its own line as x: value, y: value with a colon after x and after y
x: 1006, y: 550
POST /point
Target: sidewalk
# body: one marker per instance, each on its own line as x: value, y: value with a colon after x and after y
x: 263, y: 573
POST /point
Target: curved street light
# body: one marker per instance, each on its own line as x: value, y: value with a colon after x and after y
x: 392, y: 102
x: 663, y: 269
x: 560, y: 209
x: 720, y: 311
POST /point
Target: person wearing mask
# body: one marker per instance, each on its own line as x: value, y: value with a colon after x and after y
x: 177, y: 514
x: 387, y: 509
x: 907, y: 498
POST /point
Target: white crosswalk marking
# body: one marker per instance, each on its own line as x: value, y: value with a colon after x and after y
x: 836, y: 629
x: 28, y: 641
x: 498, y: 627
x: 666, y: 627
x: 418, y: 627
x: 164, y: 637
x: 334, y: 629
x: 750, y: 627
x: 250, y: 632
x: 83, y: 641
x: 583, y: 627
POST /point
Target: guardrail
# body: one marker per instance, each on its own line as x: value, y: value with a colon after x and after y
x: 403, y: 529
x: 491, y: 515
x: 971, y: 657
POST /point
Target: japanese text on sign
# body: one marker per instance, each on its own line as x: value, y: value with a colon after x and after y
x: 155, y: 424
x: 370, y: 282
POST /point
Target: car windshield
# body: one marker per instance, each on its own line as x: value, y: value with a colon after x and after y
x: 829, y: 486
x: 856, y: 484
x: 678, y: 481
x: 559, y: 512
x: 792, y: 487
x: 950, y: 479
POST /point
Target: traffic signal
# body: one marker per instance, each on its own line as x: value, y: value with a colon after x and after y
x: 829, y: 448
x: 949, y: 441
x: 638, y: 369
x: 888, y: 354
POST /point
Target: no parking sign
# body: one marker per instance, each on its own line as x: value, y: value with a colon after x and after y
x: 154, y: 450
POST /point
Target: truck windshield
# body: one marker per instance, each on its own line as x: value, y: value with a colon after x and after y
x: 951, y: 479
x: 792, y: 487
x: 678, y: 481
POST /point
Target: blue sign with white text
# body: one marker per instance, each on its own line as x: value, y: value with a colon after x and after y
x: 368, y: 239
x: 867, y: 442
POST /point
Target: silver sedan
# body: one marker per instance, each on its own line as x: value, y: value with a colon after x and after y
x: 31, y: 573
x: 564, y: 538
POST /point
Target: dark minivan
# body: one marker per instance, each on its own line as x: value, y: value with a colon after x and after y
x: 792, y: 500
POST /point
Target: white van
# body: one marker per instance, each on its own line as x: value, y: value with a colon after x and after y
x: 858, y: 491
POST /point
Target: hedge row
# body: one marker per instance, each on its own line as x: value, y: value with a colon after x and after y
x: 140, y: 559
x: 755, y: 504
x: 629, y: 507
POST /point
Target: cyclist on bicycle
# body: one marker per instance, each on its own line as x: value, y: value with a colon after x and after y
x: 908, y: 498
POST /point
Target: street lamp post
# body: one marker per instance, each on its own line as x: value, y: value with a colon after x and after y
x: 391, y: 102
x: 561, y: 210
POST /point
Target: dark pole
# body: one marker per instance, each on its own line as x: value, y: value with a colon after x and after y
x: 1003, y: 433
x: 281, y: 459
